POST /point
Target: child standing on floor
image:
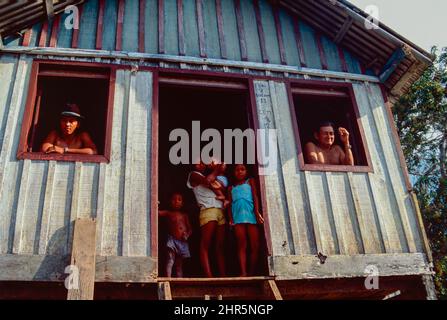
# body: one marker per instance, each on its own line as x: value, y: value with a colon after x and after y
x: 245, y: 216
x: 179, y: 232
x: 212, y: 217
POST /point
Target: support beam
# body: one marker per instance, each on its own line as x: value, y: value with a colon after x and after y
x: 133, y: 56
x: 1, y: 42
x: 49, y: 8
x: 343, y: 266
x: 274, y: 289
x: 396, y: 58
x: 343, y: 30
x: 372, y: 63
x: 164, y: 291
x: 46, y: 268
x: 83, y: 259
x: 427, y: 279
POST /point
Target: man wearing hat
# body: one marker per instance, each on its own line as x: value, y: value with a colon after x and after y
x: 68, y: 139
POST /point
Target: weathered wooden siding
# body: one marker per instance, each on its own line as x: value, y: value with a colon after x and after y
x: 249, y: 32
x: 337, y: 213
x: 39, y: 200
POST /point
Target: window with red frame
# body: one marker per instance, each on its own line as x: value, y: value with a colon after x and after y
x: 53, y: 85
x: 314, y: 103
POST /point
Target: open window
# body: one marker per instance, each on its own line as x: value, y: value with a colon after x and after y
x: 218, y: 104
x: 318, y: 102
x: 52, y: 85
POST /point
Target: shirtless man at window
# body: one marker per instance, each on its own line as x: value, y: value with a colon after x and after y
x: 68, y: 139
x: 324, y: 151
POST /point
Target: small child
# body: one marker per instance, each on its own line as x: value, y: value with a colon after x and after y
x: 245, y: 216
x: 179, y: 232
x: 218, y: 182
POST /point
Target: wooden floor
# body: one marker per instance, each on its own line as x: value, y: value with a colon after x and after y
x: 255, y: 288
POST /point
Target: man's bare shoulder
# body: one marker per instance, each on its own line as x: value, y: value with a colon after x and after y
x: 311, y: 146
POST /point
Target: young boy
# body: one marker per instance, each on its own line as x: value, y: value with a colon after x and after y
x: 179, y: 232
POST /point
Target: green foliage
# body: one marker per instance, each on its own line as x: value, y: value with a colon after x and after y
x: 421, y: 119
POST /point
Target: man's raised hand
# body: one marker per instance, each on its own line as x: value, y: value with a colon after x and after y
x: 344, y: 135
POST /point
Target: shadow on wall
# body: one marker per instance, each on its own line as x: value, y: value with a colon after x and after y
x: 56, y: 259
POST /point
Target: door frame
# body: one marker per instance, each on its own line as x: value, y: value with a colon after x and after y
x: 221, y: 80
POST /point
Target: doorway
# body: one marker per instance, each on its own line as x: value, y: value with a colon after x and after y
x: 216, y: 105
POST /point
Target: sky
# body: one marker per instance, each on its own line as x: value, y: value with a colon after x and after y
x: 423, y: 22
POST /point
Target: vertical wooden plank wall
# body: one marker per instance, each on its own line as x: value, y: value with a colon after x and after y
x: 137, y: 183
x: 124, y: 192
x: 310, y: 46
x: 289, y: 39
x: 190, y: 29
x: 39, y: 200
x: 14, y: 74
x: 64, y: 35
x: 252, y: 38
x: 230, y: 30
x: 130, y: 26
x: 268, y: 32
x: 282, y: 239
x: 109, y: 26
x: 151, y: 26
x: 211, y: 29
x: 379, y: 182
x: 88, y: 25
x: 337, y: 213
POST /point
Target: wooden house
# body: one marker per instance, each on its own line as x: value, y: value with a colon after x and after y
x: 142, y: 67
